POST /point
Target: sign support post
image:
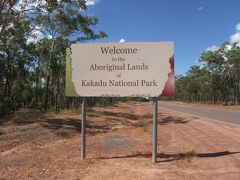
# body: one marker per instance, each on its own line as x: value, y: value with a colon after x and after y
x: 133, y: 69
x: 154, y: 131
x: 83, y: 130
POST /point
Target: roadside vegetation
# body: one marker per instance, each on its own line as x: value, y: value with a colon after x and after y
x: 34, y: 36
x: 215, y: 80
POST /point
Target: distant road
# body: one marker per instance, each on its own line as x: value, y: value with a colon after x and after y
x: 219, y: 115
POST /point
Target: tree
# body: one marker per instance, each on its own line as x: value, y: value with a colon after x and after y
x: 216, y: 64
x: 7, y: 13
x: 233, y: 56
x: 216, y: 79
x: 14, y: 59
x: 62, y: 22
x: 33, y: 66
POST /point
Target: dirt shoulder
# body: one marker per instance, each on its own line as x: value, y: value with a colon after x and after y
x: 46, y: 146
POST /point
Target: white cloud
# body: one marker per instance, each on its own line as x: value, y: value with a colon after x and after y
x: 235, y: 38
x: 18, y: 5
x: 212, y: 48
x: 91, y: 2
x: 200, y: 8
x: 228, y: 47
x: 31, y: 6
x: 122, y: 40
x: 37, y: 35
x: 238, y: 27
x: 43, y: 2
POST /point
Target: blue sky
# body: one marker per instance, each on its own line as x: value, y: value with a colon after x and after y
x: 193, y: 25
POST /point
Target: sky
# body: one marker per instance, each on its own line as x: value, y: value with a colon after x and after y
x: 193, y: 25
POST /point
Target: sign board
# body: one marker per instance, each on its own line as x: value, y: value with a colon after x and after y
x: 120, y: 70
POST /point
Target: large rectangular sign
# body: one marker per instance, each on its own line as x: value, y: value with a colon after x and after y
x: 120, y: 70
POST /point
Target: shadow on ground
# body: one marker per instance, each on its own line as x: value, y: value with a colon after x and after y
x: 110, y: 120
x: 123, y: 117
x: 171, y: 119
x: 173, y: 157
x: 23, y: 118
x: 66, y: 127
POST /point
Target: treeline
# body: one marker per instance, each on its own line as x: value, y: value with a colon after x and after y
x: 34, y: 36
x: 215, y: 80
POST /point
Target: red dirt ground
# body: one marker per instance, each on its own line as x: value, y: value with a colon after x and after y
x: 46, y: 146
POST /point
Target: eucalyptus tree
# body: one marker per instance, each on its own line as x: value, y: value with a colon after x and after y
x: 7, y: 13
x: 14, y: 61
x: 233, y: 56
x: 216, y: 63
x: 32, y: 67
x: 182, y: 93
x: 61, y: 22
x: 198, y: 82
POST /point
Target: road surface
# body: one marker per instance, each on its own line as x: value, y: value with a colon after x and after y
x: 219, y: 115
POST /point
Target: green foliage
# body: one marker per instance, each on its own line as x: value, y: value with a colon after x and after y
x: 32, y: 73
x: 216, y: 80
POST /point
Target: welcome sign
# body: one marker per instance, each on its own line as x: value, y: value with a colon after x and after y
x: 120, y: 70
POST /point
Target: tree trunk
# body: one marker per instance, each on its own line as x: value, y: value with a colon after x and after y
x: 67, y: 102
x: 36, y: 91
x: 225, y: 97
x: 238, y: 95
x: 46, y: 94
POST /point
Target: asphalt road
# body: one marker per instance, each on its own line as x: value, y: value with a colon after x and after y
x: 227, y: 117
